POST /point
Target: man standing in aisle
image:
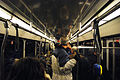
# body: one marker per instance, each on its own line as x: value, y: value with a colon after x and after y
x: 61, y: 64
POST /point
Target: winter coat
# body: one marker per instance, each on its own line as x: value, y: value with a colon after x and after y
x: 62, y: 56
x: 62, y: 73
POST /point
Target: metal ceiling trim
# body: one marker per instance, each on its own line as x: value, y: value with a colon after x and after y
x: 92, y: 14
x: 34, y: 15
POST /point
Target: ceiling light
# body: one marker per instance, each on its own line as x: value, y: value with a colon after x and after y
x: 110, y: 16
x: 20, y: 23
x: 73, y: 38
x: 88, y: 23
x: 87, y: 30
x: 4, y: 14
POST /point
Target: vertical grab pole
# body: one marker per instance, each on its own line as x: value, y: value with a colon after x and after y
x: 24, y: 41
x: 40, y: 47
x: 107, y: 56
x: 77, y: 43
x: 97, y: 40
x: 2, y: 51
x: 35, y: 48
x: 77, y: 62
x: 113, y: 60
x: 17, y: 37
x: 45, y: 47
x: 48, y: 46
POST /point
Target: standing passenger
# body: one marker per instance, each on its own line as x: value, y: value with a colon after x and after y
x: 61, y: 64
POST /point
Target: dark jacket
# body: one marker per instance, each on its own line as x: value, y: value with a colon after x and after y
x: 81, y: 71
x: 62, y: 56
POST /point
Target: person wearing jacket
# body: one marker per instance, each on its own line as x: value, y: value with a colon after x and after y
x: 61, y: 64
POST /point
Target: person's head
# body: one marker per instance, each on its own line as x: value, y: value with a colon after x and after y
x: 27, y: 69
x: 63, y: 40
x: 57, y: 45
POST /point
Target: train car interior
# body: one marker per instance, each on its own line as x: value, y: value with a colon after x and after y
x: 32, y: 28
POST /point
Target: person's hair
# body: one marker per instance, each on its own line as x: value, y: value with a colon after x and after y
x: 63, y: 40
x: 27, y: 69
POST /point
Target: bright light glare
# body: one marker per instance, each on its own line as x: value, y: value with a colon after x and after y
x: 27, y: 27
x: 85, y: 25
x: 84, y: 47
x: 102, y: 22
x: 109, y: 17
x: 76, y: 33
x: 41, y: 34
x: 74, y: 38
x: 4, y: 14
x: 22, y: 24
x: 88, y: 23
x: 88, y: 29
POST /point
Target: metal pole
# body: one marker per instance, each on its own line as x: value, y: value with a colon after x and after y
x: 35, y: 48
x: 2, y: 55
x: 113, y: 60
x: 77, y: 43
x: 45, y: 46
x: 24, y: 41
x: 2, y: 51
x: 48, y: 46
x: 39, y: 46
x: 107, y: 57
x: 102, y: 50
x: 84, y: 49
x: 77, y: 62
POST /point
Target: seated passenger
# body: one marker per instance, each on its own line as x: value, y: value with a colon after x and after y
x: 27, y: 69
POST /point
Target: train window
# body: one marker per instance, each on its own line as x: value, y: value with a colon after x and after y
x: 117, y: 59
x: 117, y: 44
x: 30, y: 48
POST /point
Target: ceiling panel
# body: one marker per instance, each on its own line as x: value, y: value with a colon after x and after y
x: 56, y: 15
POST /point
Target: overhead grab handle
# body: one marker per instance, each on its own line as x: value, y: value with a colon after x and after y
x: 17, y: 37
x: 96, y: 36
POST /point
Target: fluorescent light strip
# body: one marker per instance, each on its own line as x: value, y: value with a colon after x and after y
x: 22, y: 24
x: 85, y: 47
x: 4, y: 14
x: 115, y: 2
x: 88, y: 29
x: 76, y: 33
x: 84, y: 27
x: 73, y: 38
x: 88, y: 23
x: 102, y: 22
x: 109, y: 17
x: 27, y: 27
